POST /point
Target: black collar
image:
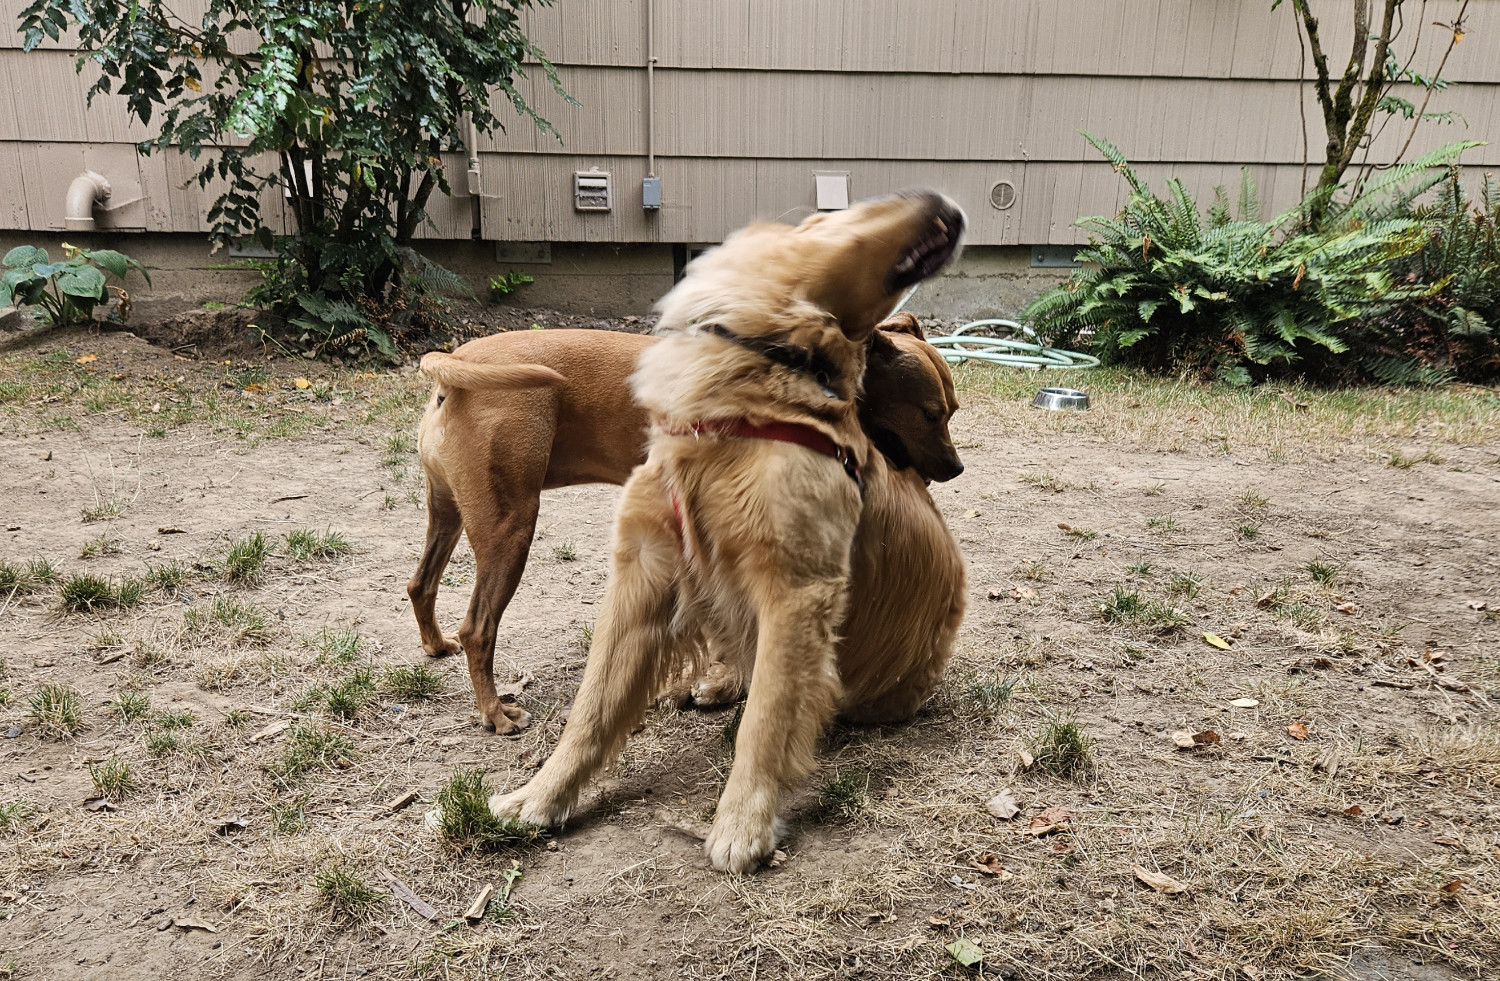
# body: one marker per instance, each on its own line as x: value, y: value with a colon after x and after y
x: 813, y: 363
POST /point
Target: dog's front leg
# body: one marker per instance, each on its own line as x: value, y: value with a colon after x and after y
x: 633, y: 650
x: 793, y: 690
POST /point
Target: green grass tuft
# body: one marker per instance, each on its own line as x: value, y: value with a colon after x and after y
x: 341, y: 646
x: 846, y: 795
x: 989, y: 694
x: 12, y: 814
x: 565, y: 552
x: 245, y: 560
x: 22, y: 580
x: 1127, y: 607
x: 57, y: 710
x: 112, y: 778
x: 228, y: 620
x: 310, y: 747
x: 1063, y: 749
x: 307, y: 544
x: 85, y: 593
x: 415, y: 682
x: 169, y: 577
x: 345, y: 893
x: 132, y: 706
x: 466, y: 823
x: 1322, y: 573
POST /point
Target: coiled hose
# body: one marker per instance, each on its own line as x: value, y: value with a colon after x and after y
x: 961, y: 346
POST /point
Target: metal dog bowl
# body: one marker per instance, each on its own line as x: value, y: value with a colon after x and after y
x: 1061, y: 400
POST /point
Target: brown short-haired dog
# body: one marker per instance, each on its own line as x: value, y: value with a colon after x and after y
x: 740, y: 526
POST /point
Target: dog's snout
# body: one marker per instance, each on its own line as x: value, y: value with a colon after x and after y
x: 949, y: 470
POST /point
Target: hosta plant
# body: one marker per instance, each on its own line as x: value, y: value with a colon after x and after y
x: 66, y: 291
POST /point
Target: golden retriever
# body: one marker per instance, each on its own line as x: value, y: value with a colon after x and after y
x: 740, y: 524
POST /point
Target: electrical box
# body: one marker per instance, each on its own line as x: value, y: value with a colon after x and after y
x: 651, y: 193
x: 832, y: 191
x: 591, y: 191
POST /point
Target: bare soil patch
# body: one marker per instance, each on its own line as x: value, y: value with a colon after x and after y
x: 1341, y: 546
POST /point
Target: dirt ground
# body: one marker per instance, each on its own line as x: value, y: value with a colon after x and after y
x: 1338, y: 816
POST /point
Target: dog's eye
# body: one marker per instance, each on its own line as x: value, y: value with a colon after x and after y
x: 933, y: 415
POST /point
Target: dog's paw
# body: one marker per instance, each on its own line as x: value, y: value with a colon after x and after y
x: 447, y: 648
x: 525, y: 806
x: 735, y: 846
x: 504, y: 718
x: 720, y: 685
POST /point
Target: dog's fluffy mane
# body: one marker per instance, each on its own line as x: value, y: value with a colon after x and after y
x: 742, y: 287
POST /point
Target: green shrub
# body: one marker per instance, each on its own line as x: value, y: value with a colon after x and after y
x: 1236, y: 298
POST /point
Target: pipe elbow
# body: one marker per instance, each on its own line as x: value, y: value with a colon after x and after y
x: 87, y: 189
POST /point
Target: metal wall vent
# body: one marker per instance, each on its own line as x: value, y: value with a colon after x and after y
x: 1002, y: 194
x: 591, y: 190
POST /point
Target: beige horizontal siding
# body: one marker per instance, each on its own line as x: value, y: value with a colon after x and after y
x: 1177, y: 38
x: 730, y: 113
x: 1189, y: 38
x: 755, y: 95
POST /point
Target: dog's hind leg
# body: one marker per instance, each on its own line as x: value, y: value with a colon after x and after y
x: 635, y: 647
x: 793, y: 690
x: 500, y: 549
x: 444, y: 526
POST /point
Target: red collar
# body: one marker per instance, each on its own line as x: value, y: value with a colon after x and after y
x: 782, y: 432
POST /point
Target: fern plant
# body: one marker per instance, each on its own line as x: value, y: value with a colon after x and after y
x: 1227, y: 295
x: 1455, y: 327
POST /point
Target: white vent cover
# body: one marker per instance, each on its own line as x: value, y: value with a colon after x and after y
x: 833, y: 191
x: 591, y: 190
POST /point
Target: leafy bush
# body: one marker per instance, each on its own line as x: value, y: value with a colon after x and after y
x: 1236, y: 298
x: 68, y: 290
x: 345, y: 108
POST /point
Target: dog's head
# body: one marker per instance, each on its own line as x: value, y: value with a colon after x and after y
x: 840, y: 270
x: 908, y: 400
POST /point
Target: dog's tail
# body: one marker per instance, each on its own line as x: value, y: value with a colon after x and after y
x: 455, y: 372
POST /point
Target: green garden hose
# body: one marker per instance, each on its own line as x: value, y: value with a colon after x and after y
x: 961, y: 346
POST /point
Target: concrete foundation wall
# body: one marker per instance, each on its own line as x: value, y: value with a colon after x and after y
x: 604, y: 280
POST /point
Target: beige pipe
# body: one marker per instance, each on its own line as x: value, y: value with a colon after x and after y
x: 87, y: 189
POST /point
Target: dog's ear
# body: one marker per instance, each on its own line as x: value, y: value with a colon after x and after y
x: 881, y: 345
x: 902, y: 323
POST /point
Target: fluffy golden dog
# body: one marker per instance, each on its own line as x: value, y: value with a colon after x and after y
x: 740, y: 525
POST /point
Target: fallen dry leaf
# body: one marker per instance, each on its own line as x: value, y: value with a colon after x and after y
x: 1159, y: 881
x: 274, y: 729
x: 1023, y: 593
x: 86, y: 359
x: 183, y: 924
x: 966, y: 952
x: 1187, y: 740
x: 1062, y: 848
x: 301, y: 383
x: 939, y: 922
x: 1064, y: 527
x: 1452, y: 887
x: 1297, y: 730
x: 1354, y: 810
x: 1003, y: 806
x: 1244, y: 703
x: 1049, y: 820
x: 996, y: 594
x: 1349, y: 608
x: 989, y: 864
x: 1478, y: 605
x: 1025, y: 758
x: 1449, y: 842
x: 1215, y: 640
